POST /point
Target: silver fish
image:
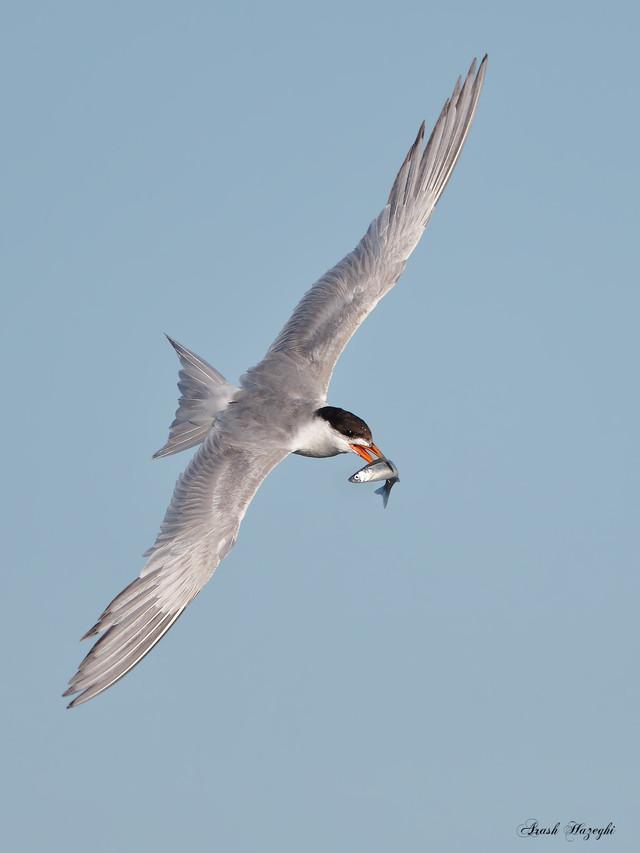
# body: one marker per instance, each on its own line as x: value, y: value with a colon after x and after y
x: 381, y: 469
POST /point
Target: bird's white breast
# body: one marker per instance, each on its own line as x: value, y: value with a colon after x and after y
x: 316, y: 437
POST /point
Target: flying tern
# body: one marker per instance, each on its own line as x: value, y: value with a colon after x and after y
x: 280, y: 407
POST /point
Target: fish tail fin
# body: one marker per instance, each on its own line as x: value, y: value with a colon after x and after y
x: 385, y: 492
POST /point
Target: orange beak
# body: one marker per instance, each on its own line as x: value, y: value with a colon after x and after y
x: 364, y: 451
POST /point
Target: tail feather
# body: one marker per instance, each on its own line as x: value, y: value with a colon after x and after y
x: 204, y: 393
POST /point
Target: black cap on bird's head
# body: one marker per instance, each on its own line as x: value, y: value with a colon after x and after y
x: 353, y: 428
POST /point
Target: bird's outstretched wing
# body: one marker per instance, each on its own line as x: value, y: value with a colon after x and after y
x: 329, y: 313
x: 199, y: 529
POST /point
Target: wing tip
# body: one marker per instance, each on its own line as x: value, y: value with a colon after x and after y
x: 76, y: 701
x: 482, y: 68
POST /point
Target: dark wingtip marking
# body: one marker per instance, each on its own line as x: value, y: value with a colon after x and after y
x: 174, y: 343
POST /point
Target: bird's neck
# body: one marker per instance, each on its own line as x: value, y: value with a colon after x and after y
x: 317, y: 438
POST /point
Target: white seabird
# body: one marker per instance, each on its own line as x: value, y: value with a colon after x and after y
x: 279, y: 408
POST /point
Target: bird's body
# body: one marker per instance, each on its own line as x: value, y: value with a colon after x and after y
x: 280, y: 407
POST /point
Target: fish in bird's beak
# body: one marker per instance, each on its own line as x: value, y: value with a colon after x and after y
x: 365, y: 451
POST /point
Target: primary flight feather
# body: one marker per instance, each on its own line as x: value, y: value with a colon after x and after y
x: 279, y: 408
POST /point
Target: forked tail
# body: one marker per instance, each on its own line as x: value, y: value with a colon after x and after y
x: 204, y: 393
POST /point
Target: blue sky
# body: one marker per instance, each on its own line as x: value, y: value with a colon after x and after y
x: 425, y: 677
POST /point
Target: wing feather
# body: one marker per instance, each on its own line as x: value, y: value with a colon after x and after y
x: 331, y: 311
x: 199, y: 528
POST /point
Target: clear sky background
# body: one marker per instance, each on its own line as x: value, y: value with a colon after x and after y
x: 422, y: 678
